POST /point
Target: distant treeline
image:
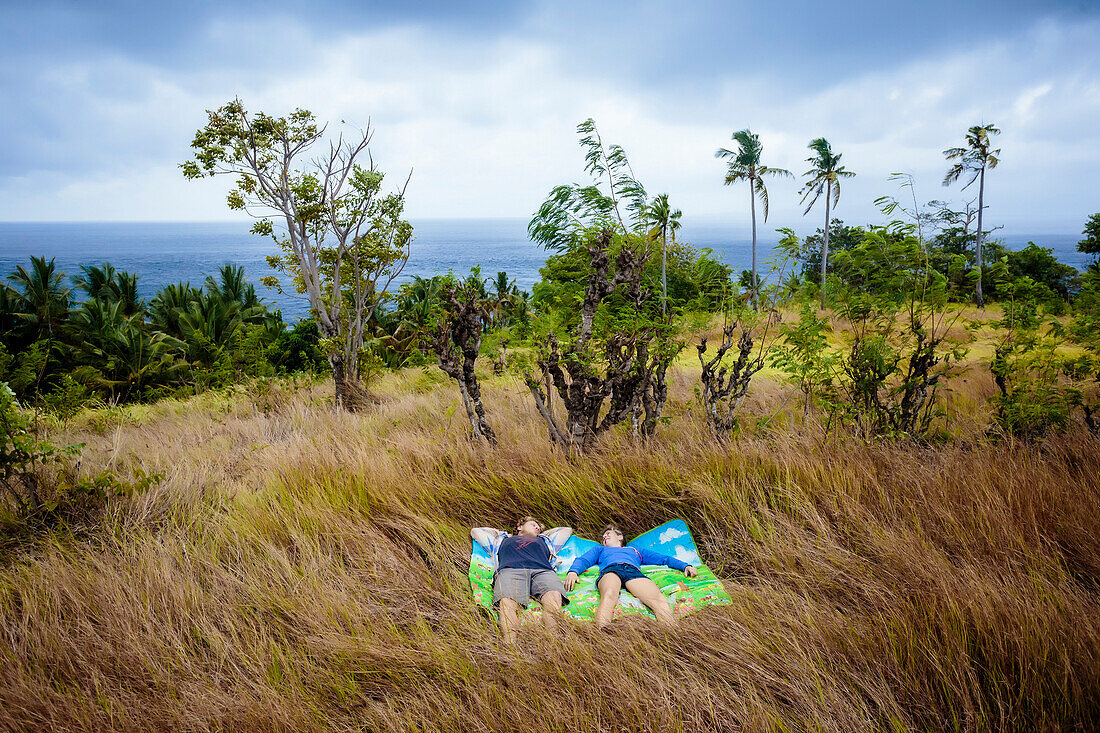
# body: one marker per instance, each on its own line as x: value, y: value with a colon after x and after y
x: 66, y: 341
x: 949, y: 251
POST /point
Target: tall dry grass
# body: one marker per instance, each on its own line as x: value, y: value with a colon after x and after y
x: 302, y: 569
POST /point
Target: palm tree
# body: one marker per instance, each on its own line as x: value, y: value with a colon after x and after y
x: 504, y: 292
x: 974, y: 159
x: 824, y: 177
x: 665, y: 219
x: 45, y: 301
x: 10, y: 306
x: 744, y: 165
x: 232, y: 285
x: 142, y: 360
x: 208, y: 327
x: 169, y: 304
x: 109, y: 285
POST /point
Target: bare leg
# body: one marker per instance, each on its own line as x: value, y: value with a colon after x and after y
x: 609, y: 586
x: 508, y: 619
x: 646, y: 591
x: 551, y: 607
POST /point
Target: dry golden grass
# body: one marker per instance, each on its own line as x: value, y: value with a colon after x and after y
x: 304, y: 569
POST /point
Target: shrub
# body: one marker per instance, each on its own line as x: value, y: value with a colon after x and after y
x: 22, y: 457
x: 296, y: 350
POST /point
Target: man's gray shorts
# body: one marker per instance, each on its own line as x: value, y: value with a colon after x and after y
x: 522, y: 584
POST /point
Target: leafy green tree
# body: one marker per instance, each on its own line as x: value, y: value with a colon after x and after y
x: 1086, y: 322
x: 973, y: 160
x: 823, y: 178
x: 295, y: 349
x: 804, y: 355
x: 1032, y: 397
x: 841, y: 239
x: 615, y: 201
x: 462, y: 320
x: 1040, y: 264
x: 620, y: 346
x: 900, y: 350
x: 342, y: 242
x: 744, y: 165
x: 1091, y: 243
x: 665, y: 220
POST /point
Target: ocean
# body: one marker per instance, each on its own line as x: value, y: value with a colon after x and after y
x: 162, y: 253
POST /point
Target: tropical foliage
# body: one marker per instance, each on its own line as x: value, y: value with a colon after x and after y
x: 823, y: 178
x: 98, y: 340
x: 744, y: 165
x: 973, y: 159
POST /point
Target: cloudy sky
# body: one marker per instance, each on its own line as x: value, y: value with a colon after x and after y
x: 481, y: 100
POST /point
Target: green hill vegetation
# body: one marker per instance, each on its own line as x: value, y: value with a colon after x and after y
x: 292, y: 567
x: 211, y: 522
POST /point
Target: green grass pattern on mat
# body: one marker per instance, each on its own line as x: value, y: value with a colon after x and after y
x: 685, y: 594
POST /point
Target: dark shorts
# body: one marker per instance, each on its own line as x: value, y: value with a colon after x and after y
x: 625, y: 571
x: 522, y: 584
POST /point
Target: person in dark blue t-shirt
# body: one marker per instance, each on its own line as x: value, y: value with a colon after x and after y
x: 621, y: 566
x: 524, y: 570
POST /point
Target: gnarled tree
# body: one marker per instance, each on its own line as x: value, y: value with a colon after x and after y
x: 622, y: 343
x: 342, y: 241
x: 456, y: 342
x: 623, y: 364
x: 724, y: 382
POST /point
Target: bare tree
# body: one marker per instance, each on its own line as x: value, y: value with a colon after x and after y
x: 725, y: 384
x: 342, y: 241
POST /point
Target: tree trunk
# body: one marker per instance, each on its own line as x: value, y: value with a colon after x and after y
x: 471, y: 395
x: 664, y: 266
x: 825, y: 246
x: 981, y: 235
x: 339, y: 378
x: 755, y: 279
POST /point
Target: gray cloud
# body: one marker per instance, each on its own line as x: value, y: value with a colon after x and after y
x: 487, y: 116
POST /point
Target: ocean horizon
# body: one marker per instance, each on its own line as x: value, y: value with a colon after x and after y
x: 168, y: 252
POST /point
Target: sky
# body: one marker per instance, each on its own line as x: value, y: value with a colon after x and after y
x: 481, y: 100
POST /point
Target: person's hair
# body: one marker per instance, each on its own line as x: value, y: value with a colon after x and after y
x: 524, y: 520
x: 613, y: 528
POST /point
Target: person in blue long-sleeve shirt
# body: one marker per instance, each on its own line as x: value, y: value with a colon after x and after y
x: 621, y: 566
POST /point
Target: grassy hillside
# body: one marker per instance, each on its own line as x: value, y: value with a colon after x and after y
x: 304, y: 569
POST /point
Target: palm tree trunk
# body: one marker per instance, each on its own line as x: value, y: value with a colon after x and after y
x: 664, y: 268
x: 981, y: 235
x: 825, y: 246
x: 755, y: 279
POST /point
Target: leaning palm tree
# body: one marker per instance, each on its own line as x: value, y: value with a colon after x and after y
x: 824, y: 177
x: 974, y: 159
x: 744, y: 165
x: 665, y: 219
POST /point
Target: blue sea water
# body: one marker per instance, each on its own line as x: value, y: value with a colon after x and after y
x: 162, y: 253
